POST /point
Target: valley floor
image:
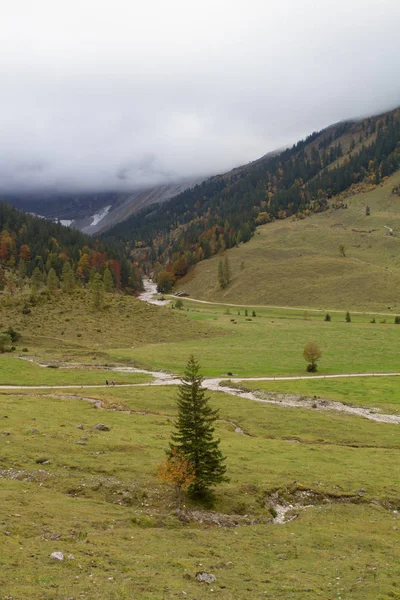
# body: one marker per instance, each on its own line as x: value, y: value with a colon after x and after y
x: 312, y: 508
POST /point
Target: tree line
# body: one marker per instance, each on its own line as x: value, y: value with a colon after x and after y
x: 48, y: 253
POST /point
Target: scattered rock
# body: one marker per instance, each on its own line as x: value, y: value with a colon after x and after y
x: 57, y: 556
x: 101, y: 427
x: 55, y: 537
x: 71, y: 557
x: 80, y: 426
x: 34, y: 431
x: 42, y: 461
x: 204, y: 577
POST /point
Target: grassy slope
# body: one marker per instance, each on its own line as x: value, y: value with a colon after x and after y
x: 298, y: 263
x: 68, y: 328
x: 99, y: 500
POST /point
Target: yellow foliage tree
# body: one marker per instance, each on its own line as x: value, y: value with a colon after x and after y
x: 176, y: 471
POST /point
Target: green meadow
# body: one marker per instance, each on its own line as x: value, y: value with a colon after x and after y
x: 94, y: 496
x: 263, y: 345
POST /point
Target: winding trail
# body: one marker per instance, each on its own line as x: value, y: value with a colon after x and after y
x: 222, y: 384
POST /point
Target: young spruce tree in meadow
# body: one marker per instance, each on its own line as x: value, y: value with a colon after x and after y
x: 52, y: 281
x: 68, y: 278
x: 108, y: 281
x: 194, y: 435
x: 97, y: 292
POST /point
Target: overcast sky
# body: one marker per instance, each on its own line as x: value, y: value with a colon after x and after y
x: 119, y: 94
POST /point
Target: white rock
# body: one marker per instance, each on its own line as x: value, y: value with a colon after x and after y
x: 57, y: 555
x: 204, y: 577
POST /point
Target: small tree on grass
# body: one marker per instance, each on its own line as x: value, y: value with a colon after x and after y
x: 68, y: 278
x: 52, y: 281
x: 179, y: 304
x: 348, y: 317
x: 312, y: 353
x: 97, y: 292
x: 327, y: 317
x: 5, y: 342
x: 194, y: 434
x: 108, y: 281
x: 176, y: 471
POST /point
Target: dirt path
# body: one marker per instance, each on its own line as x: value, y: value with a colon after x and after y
x: 216, y: 384
x: 271, y: 306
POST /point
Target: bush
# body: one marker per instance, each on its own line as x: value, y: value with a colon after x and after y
x: 14, y: 335
x: 397, y: 320
x: 327, y: 317
x: 179, y: 304
x: 26, y: 310
x: 373, y: 320
x: 272, y: 511
x: 254, y: 313
x: 348, y: 317
x: 5, y: 342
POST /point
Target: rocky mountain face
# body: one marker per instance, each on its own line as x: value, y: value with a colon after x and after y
x: 96, y: 212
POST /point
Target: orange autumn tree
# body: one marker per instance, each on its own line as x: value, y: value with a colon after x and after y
x: 176, y: 471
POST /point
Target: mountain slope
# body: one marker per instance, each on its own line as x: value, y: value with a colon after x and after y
x: 225, y: 210
x: 300, y: 263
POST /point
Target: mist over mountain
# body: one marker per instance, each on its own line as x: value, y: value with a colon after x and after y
x: 97, y: 100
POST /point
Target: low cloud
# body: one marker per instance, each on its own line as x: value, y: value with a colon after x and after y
x: 106, y: 97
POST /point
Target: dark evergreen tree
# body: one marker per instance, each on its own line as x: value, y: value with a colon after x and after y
x: 97, y: 291
x: 221, y: 275
x: 227, y: 271
x: 194, y: 433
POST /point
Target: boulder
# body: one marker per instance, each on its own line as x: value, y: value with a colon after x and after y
x: 204, y: 577
x: 57, y: 555
x: 101, y: 427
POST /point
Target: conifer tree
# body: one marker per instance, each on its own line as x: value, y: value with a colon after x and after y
x: 194, y: 433
x: 97, y: 291
x: 36, y: 279
x: 52, y: 281
x: 227, y: 271
x: 108, y: 281
x: 2, y: 279
x: 68, y: 278
x: 221, y: 278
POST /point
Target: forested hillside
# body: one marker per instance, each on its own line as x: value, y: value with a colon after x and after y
x: 225, y: 210
x: 33, y: 247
